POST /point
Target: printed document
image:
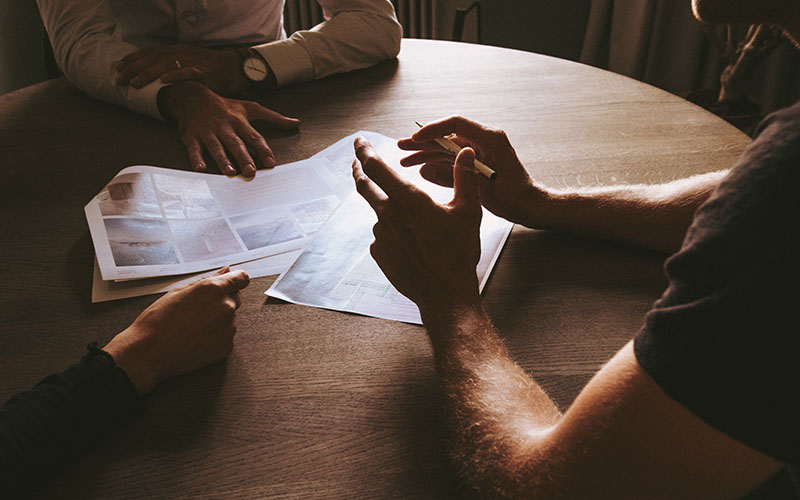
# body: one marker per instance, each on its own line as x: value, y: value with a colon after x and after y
x: 151, y: 221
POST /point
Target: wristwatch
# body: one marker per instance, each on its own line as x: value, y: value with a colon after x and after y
x: 254, y: 66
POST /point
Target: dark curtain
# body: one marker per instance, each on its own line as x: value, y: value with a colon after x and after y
x: 660, y: 42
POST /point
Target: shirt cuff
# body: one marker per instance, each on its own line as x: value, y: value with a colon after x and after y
x: 288, y: 60
x: 145, y: 99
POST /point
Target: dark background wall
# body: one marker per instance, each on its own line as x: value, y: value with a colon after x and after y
x: 20, y: 45
x: 547, y: 27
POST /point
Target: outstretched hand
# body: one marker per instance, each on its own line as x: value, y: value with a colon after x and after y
x: 221, y: 126
x: 429, y: 251
x: 512, y: 195
x: 186, y: 329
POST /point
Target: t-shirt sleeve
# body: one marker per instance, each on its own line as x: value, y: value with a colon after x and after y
x: 724, y: 340
x: 60, y: 417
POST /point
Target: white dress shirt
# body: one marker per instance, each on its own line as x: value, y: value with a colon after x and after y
x: 89, y: 38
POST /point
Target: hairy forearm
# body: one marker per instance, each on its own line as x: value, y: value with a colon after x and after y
x: 498, y: 415
x: 652, y: 216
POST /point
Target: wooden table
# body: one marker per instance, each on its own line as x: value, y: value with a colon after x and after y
x: 314, y: 403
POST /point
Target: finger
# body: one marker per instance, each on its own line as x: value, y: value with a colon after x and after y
x: 234, y: 281
x: 195, y: 152
x: 465, y: 179
x: 438, y: 173
x: 408, y: 144
x: 126, y: 72
x: 257, y: 144
x: 240, y: 154
x: 453, y: 125
x: 222, y: 271
x: 368, y: 189
x: 421, y: 157
x: 177, y: 75
x: 135, y: 56
x: 151, y: 73
x: 411, y: 145
x: 217, y: 152
x: 257, y: 112
x: 461, y: 142
x: 237, y: 300
x: 379, y: 172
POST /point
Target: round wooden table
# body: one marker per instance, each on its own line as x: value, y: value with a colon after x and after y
x: 315, y: 403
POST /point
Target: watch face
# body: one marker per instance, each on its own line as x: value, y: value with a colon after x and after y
x: 255, y: 69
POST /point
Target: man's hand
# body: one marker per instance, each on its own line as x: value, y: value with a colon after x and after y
x: 219, y: 70
x: 186, y: 329
x: 512, y: 195
x: 428, y: 251
x: 221, y: 126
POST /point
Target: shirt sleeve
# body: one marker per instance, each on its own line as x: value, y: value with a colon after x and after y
x: 61, y: 416
x: 355, y: 34
x: 86, y: 49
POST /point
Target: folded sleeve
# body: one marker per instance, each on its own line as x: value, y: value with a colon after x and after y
x: 60, y: 417
x: 355, y: 34
x: 86, y: 47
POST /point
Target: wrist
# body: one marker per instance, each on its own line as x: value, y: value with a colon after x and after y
x: 239, y: 84
x: 446, y: 324
x: 254, y: 70
x: 443, y: 313
x: 172, y: 99
x: 130, y: 358
x: 541, y: 209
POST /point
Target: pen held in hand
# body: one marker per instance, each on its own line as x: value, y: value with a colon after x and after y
x: 455, y: 148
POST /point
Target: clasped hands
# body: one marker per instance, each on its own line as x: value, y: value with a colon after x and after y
x: 200, y: 100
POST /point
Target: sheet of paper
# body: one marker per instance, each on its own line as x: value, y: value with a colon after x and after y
x: 338, y: 157
x: 103, y: 291
x: 335, y: 270
x: 151, y: 221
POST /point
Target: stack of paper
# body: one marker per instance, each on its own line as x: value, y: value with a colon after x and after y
x: 154, y: 229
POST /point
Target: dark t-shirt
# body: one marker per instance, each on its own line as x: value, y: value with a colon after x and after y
x: 724, y: 339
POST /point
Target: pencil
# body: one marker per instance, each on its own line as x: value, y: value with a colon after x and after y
x: 455, y: 148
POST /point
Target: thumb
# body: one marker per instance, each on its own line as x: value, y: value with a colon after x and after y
x: 273, y: 118
x: 234, y: 281
x: 465, y: 179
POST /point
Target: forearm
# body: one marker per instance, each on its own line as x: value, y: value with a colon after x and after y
x: 86, y: 50
x: 652, y: 216
x: 356, y: 34
x: 60, y: 417
x: 498, y: 415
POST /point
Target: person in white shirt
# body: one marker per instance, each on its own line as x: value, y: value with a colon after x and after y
x: 185, y: 61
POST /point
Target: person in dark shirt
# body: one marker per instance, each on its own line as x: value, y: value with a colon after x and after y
x: 702, y: 402
x: 184, y: 330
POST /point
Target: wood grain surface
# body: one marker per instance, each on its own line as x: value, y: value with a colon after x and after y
x: 314, y: 403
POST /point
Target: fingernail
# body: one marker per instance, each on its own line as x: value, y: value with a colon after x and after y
x: 200, y: 167
x: 249, y: 170
x: 269, y: 162
x: 229, y: 170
